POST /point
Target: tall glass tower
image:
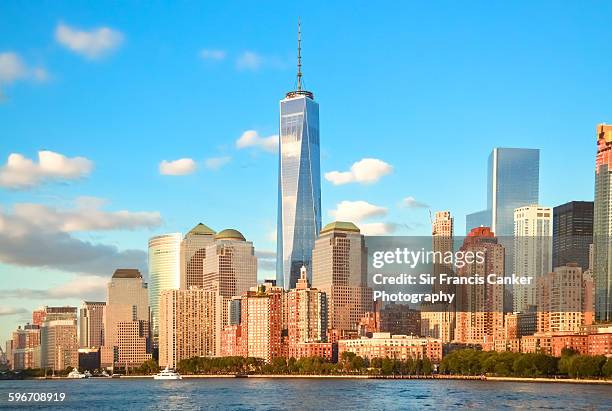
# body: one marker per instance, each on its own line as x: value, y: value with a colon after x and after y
x: 299, y: 183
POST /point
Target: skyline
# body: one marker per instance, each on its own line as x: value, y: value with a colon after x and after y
x: 222, y: 74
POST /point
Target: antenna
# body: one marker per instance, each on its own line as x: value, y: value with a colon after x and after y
x: 299, y: 60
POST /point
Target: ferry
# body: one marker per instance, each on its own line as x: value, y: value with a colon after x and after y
x: 168, y: 374
x: 75, y: 374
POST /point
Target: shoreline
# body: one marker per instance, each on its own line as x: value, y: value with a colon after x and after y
x: 362, y: 377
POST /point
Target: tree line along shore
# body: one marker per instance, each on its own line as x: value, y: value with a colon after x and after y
x: 460, y: 364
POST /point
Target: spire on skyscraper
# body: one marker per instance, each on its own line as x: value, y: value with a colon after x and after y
x: 299, y: 57
x: 298, y: 91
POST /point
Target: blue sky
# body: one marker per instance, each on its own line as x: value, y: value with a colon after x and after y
x: 427, y: 89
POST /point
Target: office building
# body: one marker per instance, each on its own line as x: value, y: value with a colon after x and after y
x: 572, y: 233
x: 602, y: 225
x: 91, y: 324
x: 306, y: 314
x: 532, y: 251
x: 164, y: 271
x: 339, y: 263
x: 193, y: 252
x: 190, y: 325
x: 512, y: 181
x: 127, y: 323
x: 299, y: 183
x: 59, y: 342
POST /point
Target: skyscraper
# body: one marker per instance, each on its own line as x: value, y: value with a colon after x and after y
x: 59, y: 344
x: 339, y: 265
x: 193, y: 253
x: 299, y: 182
x: 91, y: 324
x: 164, y: 271
x: 127, y: 319
x: 480, y: 308
x: 189, y: 325
x: 512, y: 182
x: 572, y: 233
x: 532, y: 251
x: 602, y: 225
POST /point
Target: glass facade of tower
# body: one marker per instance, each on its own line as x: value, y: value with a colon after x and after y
x: 513, y: 182
x: 602, y: 225
x: 299, y: 187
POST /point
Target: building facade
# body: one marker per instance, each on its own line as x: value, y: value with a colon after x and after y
x: 560, y: 300
x: 572, y: 233
x: 164, y: 271
x: 306, y: 315
x: 602, y: 225
x: 190, y: 325
x: 532, y: 251
x: 127, y: 311
x: 193, y: 253
x: 397, y: 347
x: 91, y: 324
x: 339, y: 263
x: 299, y: 184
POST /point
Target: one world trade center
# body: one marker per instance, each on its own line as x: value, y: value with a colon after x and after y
x: 299, y: 183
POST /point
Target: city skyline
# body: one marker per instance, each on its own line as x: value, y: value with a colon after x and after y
x: 64, y: 210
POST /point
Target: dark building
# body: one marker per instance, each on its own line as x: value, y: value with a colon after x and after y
x: 572, y: 233
x: 89, y: 359
x: 400, y: 319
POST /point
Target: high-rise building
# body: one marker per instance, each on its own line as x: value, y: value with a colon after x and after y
x: 532, y: 251
x: 400, y: 319
x: 339, y: 264
x: 306, y: 314
x: 512, y: 182
x: 164, y: 271
x: 602, y: 225
x: 572, y: 233
x: 25, y: 348
x: 261, y: 328
x: 189, y: 325
x: 560, y: 300
x: 230, y: 266
x: 480, y: 307
x: 59, y: 343
x: 91, y: 324
x: 193, y: 253
x: 299, y: 183
x: 127, y: 319
x: 438, y: 320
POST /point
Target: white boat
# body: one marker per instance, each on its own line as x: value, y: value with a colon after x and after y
x: 168, y: 374
x: 75, y: 374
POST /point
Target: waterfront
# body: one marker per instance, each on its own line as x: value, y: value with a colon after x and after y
x: 312, y: 394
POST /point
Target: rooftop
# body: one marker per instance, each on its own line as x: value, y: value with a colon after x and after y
x: 229, y: 234
x: 127, y: 273
x: 340, y: 226
x: 201, y: 229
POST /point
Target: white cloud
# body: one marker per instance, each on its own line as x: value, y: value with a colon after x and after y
x: 34, y: 235
x: 6, y: 311
x: 83, y: 287
x: 356, y: 211
x: 177, y: 167
x: 91, y: 44
x: 87, y: 216
x: 249, y: 60
x: 377, y: 228
x: 251, y: 138
x: 211, y: 54
x: 411, y: 202
x: 215, y: 163
x: 21, y: 172
x: 13, y: 69
x: 365, y: 171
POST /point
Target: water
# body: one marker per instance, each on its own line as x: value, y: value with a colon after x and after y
x: 315, y: 394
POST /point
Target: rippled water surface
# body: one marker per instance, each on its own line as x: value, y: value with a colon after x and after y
x: 315, y: 394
